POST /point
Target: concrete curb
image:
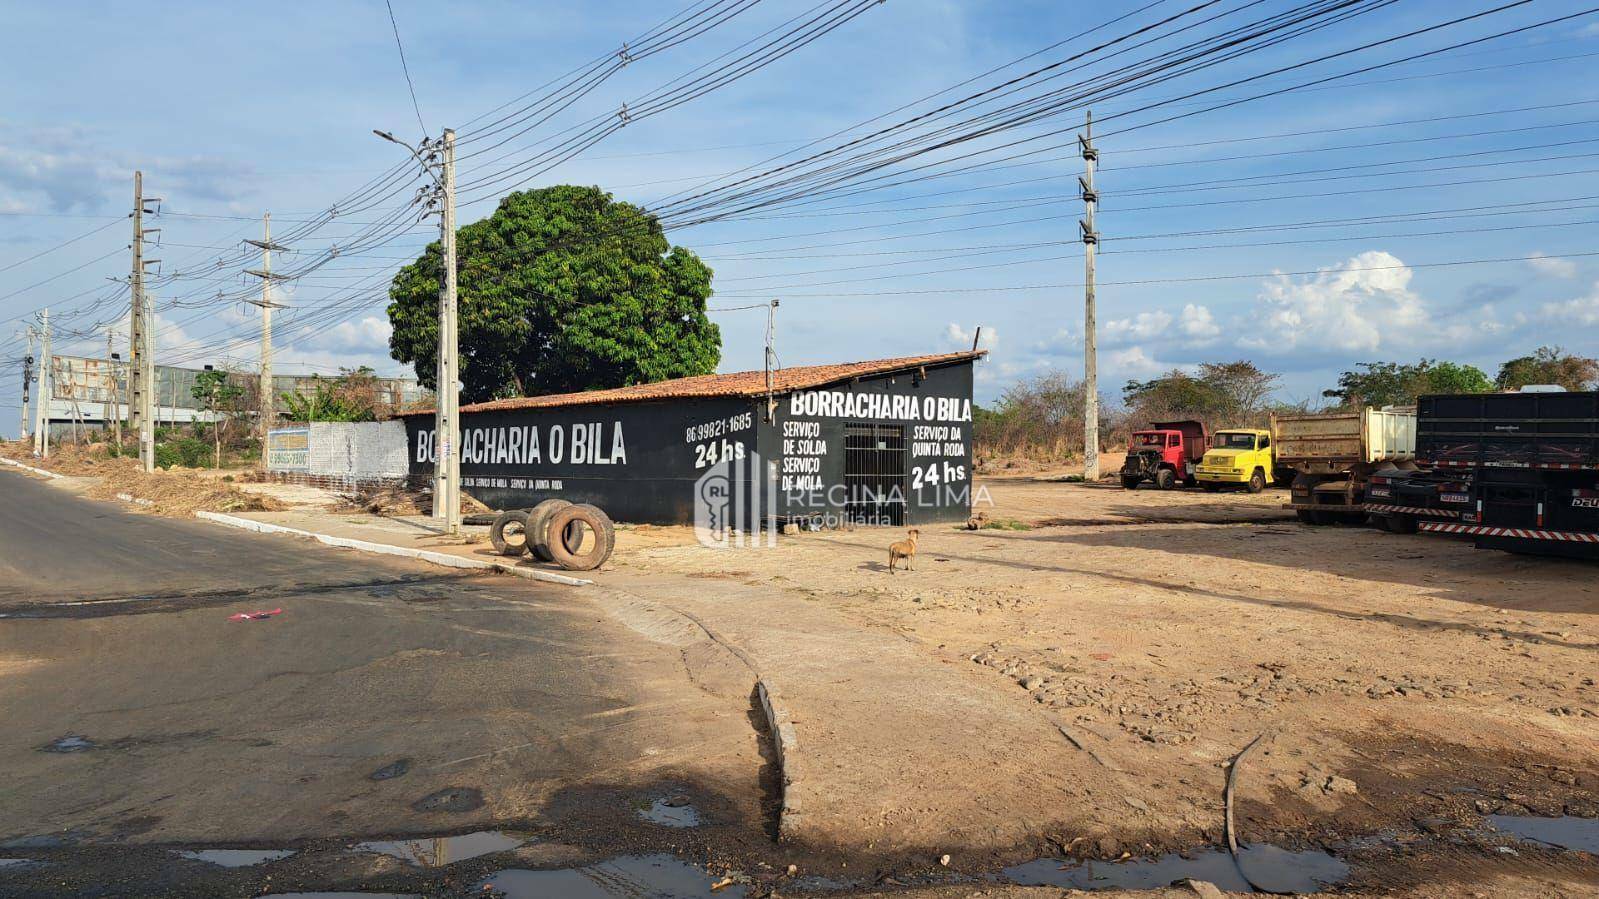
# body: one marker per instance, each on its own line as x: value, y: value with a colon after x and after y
x: 14, y: 463
x: 787, y: 746
x: 437, y: 558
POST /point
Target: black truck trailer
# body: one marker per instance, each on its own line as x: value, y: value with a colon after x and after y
x: 1513, y: 471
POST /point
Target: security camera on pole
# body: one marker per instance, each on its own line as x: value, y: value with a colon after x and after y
x: 438, y: 160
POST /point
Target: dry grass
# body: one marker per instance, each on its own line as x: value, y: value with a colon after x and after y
x: 178, y: 492
x: 388, y: 501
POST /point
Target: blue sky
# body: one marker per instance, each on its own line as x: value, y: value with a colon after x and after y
x: 231, y: 110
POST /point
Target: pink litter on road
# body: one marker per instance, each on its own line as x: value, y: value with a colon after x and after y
x: 254, y: 616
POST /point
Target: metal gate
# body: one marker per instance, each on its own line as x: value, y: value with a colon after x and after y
x: 874, y: 473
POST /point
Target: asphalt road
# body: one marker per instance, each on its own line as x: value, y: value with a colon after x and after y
x: 137, y: 713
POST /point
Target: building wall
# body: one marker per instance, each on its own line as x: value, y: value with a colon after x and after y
x: 806, y: 443
x: 637, y: 461
x: 643, y: 462
x: 342, y: 452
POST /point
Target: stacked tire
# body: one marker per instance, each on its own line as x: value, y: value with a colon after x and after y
x: 576, y: 537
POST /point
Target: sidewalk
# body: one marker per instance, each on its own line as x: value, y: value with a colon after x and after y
x: 901, y: 747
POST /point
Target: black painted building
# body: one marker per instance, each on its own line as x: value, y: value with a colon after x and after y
x: 882, y: 442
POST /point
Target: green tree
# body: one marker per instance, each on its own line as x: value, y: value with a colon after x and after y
x: 220, y: 397
x: 1549, y: 365
x: 1221, y: 394
x: 352, y: 396
x: 1398, y: 384
x: 561, y: 289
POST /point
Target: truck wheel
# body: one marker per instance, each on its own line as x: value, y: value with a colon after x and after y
x: 1165, y: 479
x: 1129, y: 482
x: 1257, y: 481
x: 1210, y: 487
x: 1190, y: 481
x: 538, y: 527
x: 1402, y: 523
x: 582, y: 554
x: 508, y: 533
x: 1310, y: 517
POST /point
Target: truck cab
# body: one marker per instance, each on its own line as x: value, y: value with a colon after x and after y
x: 1164, y: 454
x: 1238, y: 457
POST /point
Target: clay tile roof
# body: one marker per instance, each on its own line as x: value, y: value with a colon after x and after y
x: 734, y: 384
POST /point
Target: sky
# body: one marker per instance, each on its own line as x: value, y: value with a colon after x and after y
x: 1442, y: 207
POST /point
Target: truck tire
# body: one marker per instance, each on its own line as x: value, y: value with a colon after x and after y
x: 509, y: 533
x: 1310, y: 517
x: 1210, y: 487
x: 599, y: 549
x: 1257, y: 481
x: 1190, y: 481
x: 1400, y: 523
x: 1129, y: 482
x: 1165, y: 479
x: 538, y: 527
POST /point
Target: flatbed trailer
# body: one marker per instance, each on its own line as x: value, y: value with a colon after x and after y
x: 1529, y: 466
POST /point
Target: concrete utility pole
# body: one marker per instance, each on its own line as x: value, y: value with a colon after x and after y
x: 771, y: 357
x: 448, y: 423
x: 267, y: 415
x: 27, y: 381
x: 113, y: 403
x: 142, y: 342
x: 41, y: 414
x: 1085, y: 142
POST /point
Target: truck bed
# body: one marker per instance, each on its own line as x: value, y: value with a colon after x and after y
x: 1341, y: 439
x: 1510, y: 430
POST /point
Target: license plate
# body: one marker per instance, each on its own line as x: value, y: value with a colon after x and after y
x: 1585, y: 502
x: 1381, y: 491
x: 1455, y: 498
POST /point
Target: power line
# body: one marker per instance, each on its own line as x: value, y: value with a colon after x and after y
x: 405, y: 68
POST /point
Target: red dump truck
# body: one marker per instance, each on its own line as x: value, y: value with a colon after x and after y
x: 1166, y: 453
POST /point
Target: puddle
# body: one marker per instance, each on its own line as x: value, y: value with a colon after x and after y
x: 1577, y: 834
x: 68, y: 743
x: 340, y: 896
x: 1270, y: 869
x: 234, y: 858
x: 435, y: 852
x: 673, y: 812
x: 625, y: 877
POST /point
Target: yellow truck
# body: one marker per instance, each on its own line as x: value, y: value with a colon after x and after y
x: 1238, y: 457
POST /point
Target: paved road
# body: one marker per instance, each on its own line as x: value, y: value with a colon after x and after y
x: 191, y: 728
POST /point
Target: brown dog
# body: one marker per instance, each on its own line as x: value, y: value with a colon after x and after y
x: 903, y: 549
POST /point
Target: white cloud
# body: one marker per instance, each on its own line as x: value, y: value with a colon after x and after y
x: 1143, y: 326
x: 370, y: 334
x: 1347, y: 307
x: 1132, y: 361
x: 1578, y: 311
x: 959, y: 337
x: 1552, y: 266
x: 1198, y: 324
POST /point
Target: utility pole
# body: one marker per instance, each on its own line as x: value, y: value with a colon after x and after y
x: 771, y: 357
x: 142, y: 344
x: 1085, y: 142
x: 113, y: 402
x: 447, y: 427
x: 27, y: 381
x: 41, y: 412
x: 267, y: 416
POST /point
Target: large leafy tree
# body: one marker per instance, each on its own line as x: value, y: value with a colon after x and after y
x: 1398, y: 384
x: 1221, y: 394
x: 1549, y: 365
x: 561, y: 289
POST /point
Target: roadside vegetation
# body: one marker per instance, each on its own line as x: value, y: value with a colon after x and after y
x: 1040, y: 419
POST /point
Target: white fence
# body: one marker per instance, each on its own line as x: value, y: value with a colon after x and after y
x: 340, y: 452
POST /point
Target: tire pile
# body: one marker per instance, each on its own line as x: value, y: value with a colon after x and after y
x: 576, y: 537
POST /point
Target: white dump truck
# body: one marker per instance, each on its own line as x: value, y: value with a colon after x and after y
x: 1334, y: 453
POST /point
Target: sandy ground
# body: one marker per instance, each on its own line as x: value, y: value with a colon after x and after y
x: 1076, y: 681
x: 1394, y: 678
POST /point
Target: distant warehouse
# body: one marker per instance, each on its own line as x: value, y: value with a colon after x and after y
x: 882, y: 442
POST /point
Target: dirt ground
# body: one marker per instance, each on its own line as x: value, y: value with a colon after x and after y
x: 1392, y: 679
